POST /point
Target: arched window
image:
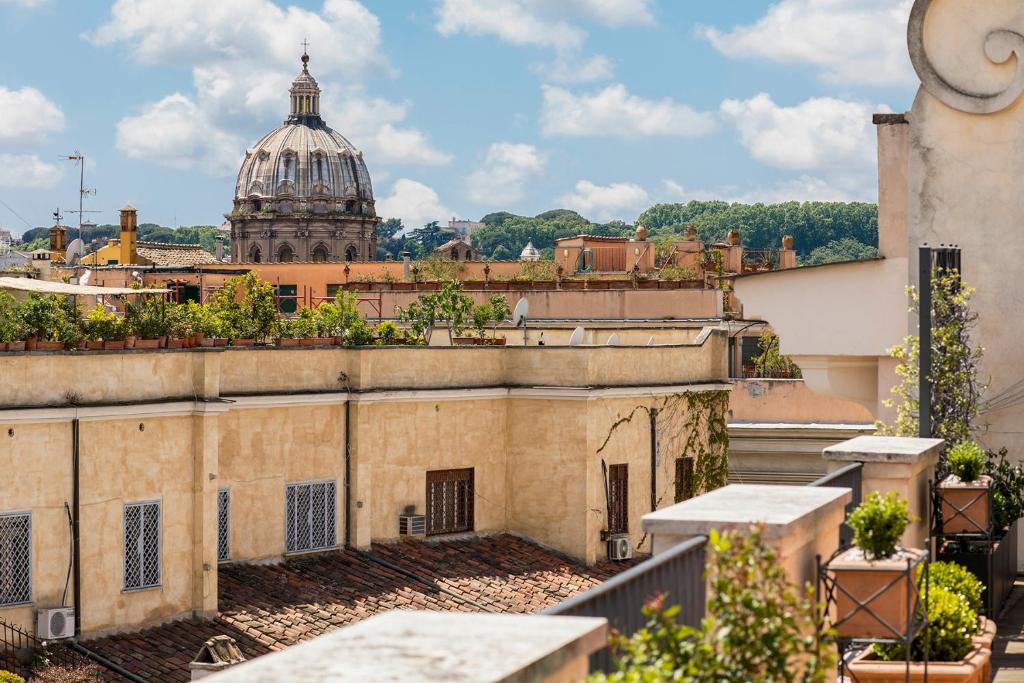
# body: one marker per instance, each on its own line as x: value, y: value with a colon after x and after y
x: 255, y: 255
x: 351, y: 254
x: 285, y: 254
x: 350, y: 206
x: 319, y: 169
x: 455, y: 253
x: 320, y: 254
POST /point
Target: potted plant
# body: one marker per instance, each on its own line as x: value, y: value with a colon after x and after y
x: 12, y: 326
x: 494, y: 311
x: 873, y: 580
x: 965, y: 494
x: 103, y: 329
x: 387, y: 333
x: 957, y: 644
x: 40, y: 314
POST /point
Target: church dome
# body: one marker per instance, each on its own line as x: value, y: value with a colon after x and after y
x: 304, y: 165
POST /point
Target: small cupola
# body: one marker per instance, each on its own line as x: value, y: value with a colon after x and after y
x: 305, y: 97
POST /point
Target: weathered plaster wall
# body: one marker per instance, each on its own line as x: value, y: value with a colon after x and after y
x: 790, y: 401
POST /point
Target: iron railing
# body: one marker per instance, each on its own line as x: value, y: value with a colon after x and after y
x: 24, y: 654
x: 677, y: 573
x: 847, y: 477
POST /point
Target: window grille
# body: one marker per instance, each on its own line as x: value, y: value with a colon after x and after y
x: 684, y: 475
x: 141, y: 545
x: 223, y: 525
x: 449, y: 501
x: 311, y: 511
x: 15, y: 559
x: 618, y: 499
x: 332, y: 290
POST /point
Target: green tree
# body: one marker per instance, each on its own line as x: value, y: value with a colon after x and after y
x: 430, y: 236
x: 837, y: 251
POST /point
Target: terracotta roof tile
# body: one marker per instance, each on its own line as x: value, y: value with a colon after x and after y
x: 269, y: 607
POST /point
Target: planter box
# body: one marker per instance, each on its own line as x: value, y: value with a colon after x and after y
x: 219, y: 341
x: 243, y: 342
x: 573, y: 284
x: 49, y: 346
x: 403, y: 286
x: 465, y: 341
x: 965, y: 505
x: 287, y: 342
x: 323, y: 341
x: 647, y: 284
x: 94, y: 345
x: 866, y: 668
x: 175, y: 343
x: 113, y: 345
x: 147, y: 344
x: 882, y: 587
x: 306, y: 341
x: 498, y: 286
x: 995, y: 565
x: 499, y: 341
x: 15, y: 346
x: 599, y: 284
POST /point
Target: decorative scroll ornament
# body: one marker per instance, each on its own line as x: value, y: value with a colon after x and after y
x: 1000, y: 46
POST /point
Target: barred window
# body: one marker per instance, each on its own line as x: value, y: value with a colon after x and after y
x: 618, y: 499
x: 141, y: 545
x: 15, y: 559
x: 311, y: 512
x: 449, y: 501
x: 223, y: 525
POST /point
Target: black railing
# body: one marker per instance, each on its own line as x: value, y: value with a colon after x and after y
x: 24, y: 654
x: 847, y: 477
x: 677, y: 573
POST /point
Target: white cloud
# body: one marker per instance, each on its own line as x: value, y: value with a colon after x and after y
x: 502, y: 178
x: 818, y: 133
x: 371, y: 123
x: 572, y: 69
x: 607, y: 12
x: 860, y: 42
x: 415, y: 203
x: 510, y: 20
x: 175, y: 132
x: 31, y: 4
x: 607, y: 202
x: 28, y: 171
x: 803, y: 188
x: 615, y: 112
x: 27, y: 116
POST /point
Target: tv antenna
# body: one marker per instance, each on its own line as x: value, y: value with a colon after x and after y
x: 519, y: 316
x: 57, y: 217
x: 83, y: 191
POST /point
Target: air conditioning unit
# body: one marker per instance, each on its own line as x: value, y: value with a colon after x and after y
x: 412, y: 525
x: 619, y: 547
x: 55, y: 624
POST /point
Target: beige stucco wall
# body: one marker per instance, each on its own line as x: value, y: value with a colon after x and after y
x: 790, y: 401
x: 530, y: 421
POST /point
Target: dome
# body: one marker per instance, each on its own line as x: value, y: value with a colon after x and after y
x: 529, y: 253
x: 304, y: 159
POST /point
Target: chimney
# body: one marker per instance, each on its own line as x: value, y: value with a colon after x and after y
x: 216, y: 654
x: 787, y: 255
x: 218, y: 250
x: 406, y: 263
x: 59, y: 239
x: 128, y: 254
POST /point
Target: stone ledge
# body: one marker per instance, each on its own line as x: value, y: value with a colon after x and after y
x: 889, y: 119
x: 884, y: 449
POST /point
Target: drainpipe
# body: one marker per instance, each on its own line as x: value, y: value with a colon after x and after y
x: 76, y: 516
x: 654, y: 459
x: 348, y: 473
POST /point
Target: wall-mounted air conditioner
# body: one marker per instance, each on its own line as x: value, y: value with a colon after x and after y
x: 412, y: 525
x: 55, y: 624
x: 619, y: 547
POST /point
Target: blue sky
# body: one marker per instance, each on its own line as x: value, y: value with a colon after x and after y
x: 462, y: 107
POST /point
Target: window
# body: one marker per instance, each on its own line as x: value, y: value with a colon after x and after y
x: 320, y: 254
x: 618, y: 499
x: 311, y: 512
x: 334, y: 290
x: 255, y: 254
x: 15, y: 559
x: 449, y: 501
x: 141, y: 545
x: 351, y: 254
x: 684, y: 478
x: 223, y: 525
x: 287, y: 298
x: 285, y: 254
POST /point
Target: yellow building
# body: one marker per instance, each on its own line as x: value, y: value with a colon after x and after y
x: 127, y: 250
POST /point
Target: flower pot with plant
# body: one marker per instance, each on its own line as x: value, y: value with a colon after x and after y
x: 13, y: 329
x: 103, y: 329
x: 965, y: 495
x: 874, y: 581
x: 147, y: 322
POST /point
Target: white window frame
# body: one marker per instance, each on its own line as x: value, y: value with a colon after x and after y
x: 29, y: 600
x: 142, y: 557
x: 225, y: 525
x: 291, y: 534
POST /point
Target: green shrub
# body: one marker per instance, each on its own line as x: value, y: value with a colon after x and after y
x: 671, y: 272
x: 148, y: 319
x: 956, y: 579
x: 966, y: 460
x: 12, y: 324
x: 1007, y: 489
x: 878, y: 523
x: 103, y: 325
x: 387, y: 334
x: 8, y: 677
x: 951, y: 625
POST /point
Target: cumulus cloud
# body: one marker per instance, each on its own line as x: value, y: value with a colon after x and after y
x: 574, y: 69
x: 818, y: 133
x: 28, y: 171
x: 607, y: 202
x: 175, y: 132
x: 511, y: 21
x: 415, y: 203
x: 245, y: 53
x: 27, y: 116
x: 613, y: 111
x: 861, y: 42
x: 804, y: 188
x: 502, y: 178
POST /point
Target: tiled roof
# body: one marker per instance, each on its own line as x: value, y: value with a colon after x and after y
x: 457, y: 242
x: 269, y: 607
x: 161, y: 254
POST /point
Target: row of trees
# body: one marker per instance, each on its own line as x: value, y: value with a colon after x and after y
x: 96, y: 236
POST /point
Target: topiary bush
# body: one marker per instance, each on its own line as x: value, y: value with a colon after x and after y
x: 967, y: 460
x: 878, y: 523
x: 951, y: 625
x: 8, y: 677
x: 956, y: 579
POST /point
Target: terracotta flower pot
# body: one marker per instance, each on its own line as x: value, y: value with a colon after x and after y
x: 113, y: 345
x: 220, y: 341
x: 465, y: 341
x: 147, y: 344
x: 323, y: 341
x: 31, y: 343
x: 207, y: 342
x: 307, y: 341
x: 243, y: 342
x: 49, y: 346
x: 16, y: 346
x: 3, y: 347
x: 884, y: 615
x: 287, y: 342
x: 174, y: 343
x: 94, y: 345
x: 985, y: 638
x: 867, y: 668
x: 965, y: 505
x: 496, y: 341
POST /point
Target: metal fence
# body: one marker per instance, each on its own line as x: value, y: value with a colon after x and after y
x: 23, y: 654
x: 678, y: 573
x: 847, y: 477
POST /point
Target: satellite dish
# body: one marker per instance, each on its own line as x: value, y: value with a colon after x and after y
x: 75, y: 252
x: 522, y: 310
x: 650, y: 342
x: 613, y: 340
x: 577, y: 337
x: 84, y: 280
